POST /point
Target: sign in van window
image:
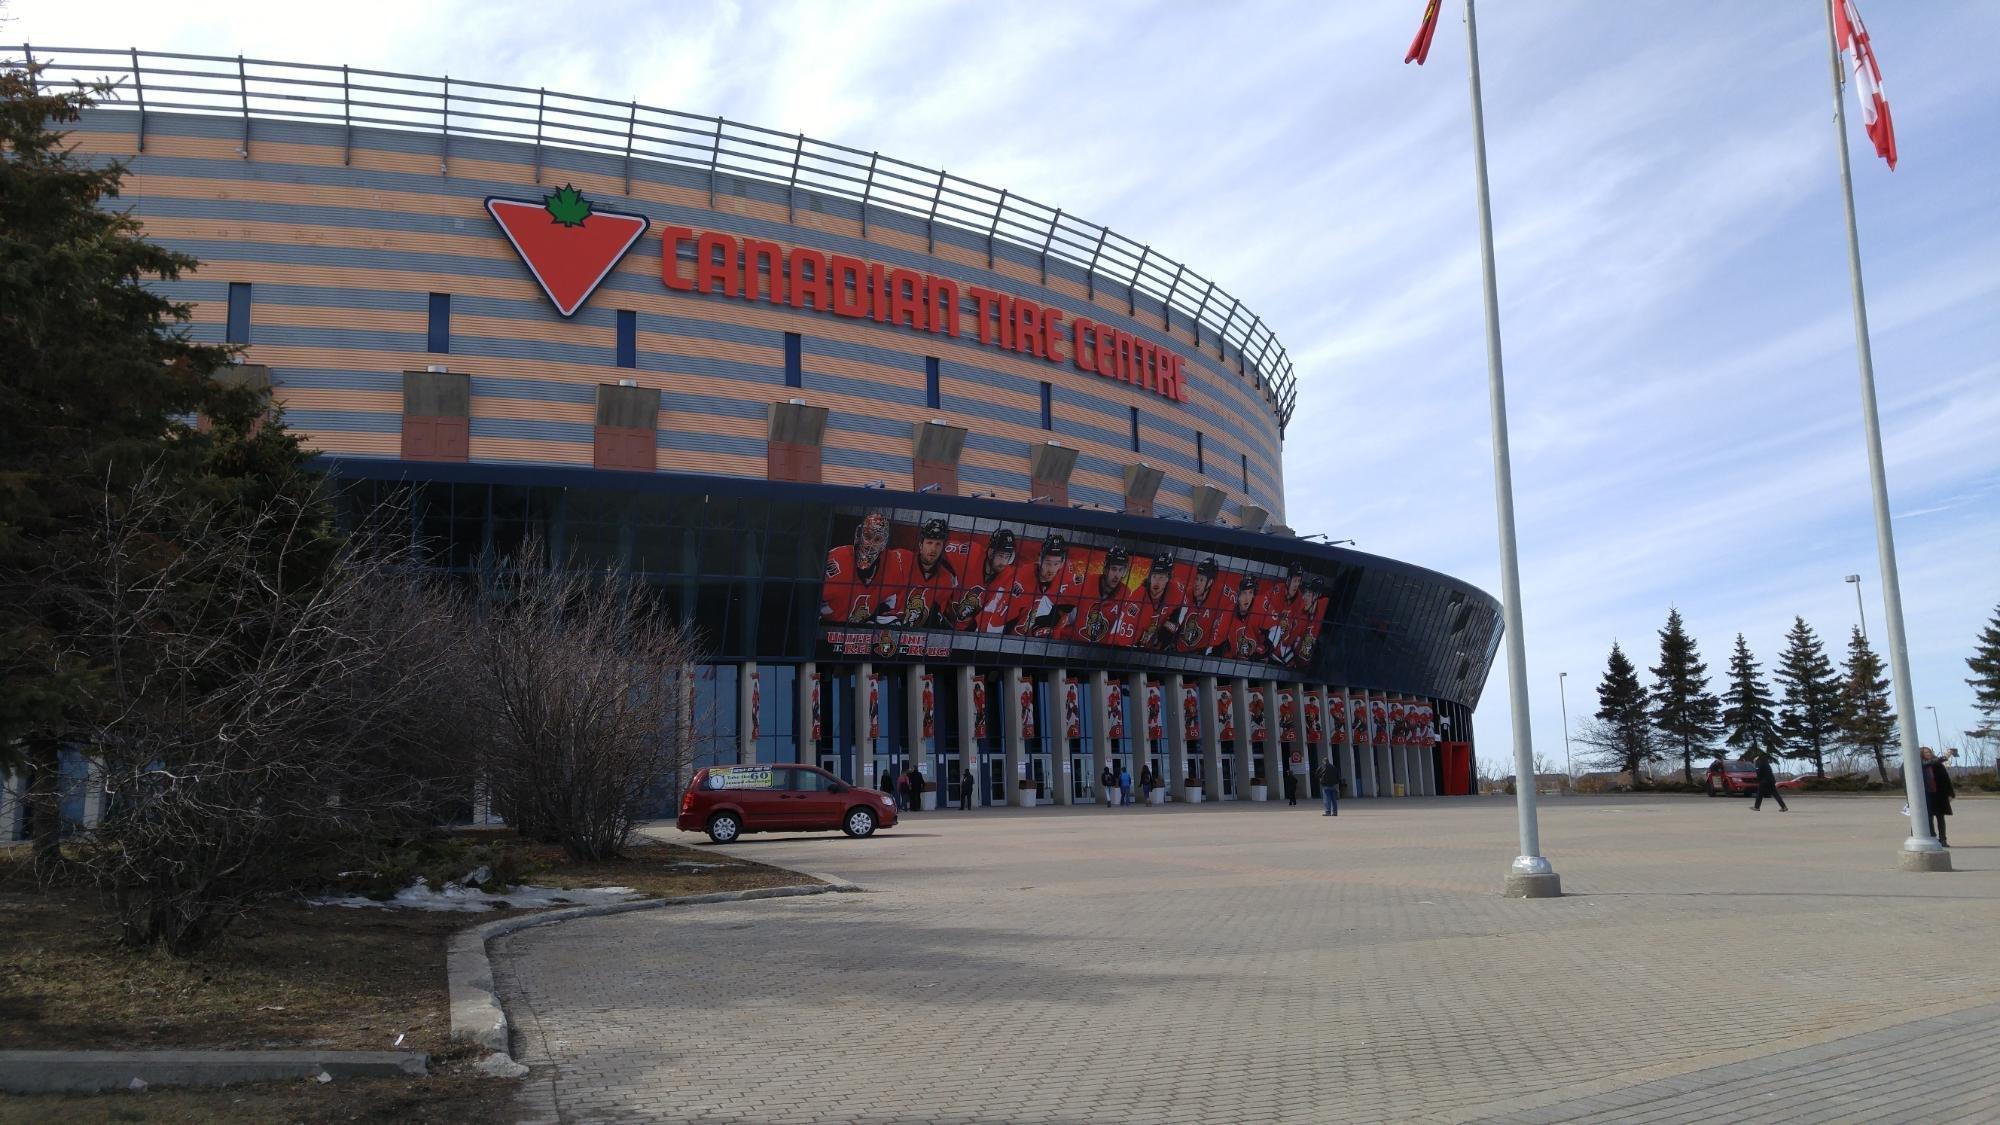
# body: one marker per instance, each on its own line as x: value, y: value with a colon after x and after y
x: 745, y: 777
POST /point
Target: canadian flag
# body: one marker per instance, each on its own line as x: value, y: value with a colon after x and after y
x: 1420, y: 47
x: 1852, y: 38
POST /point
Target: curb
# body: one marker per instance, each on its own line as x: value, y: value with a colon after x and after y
x: 63, y: 1072
x: 476, y: 1013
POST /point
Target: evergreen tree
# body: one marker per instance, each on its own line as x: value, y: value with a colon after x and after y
x: 97, y: 381
x: 1684, y: 711
x: 1624, y: 730
x: 1810, y: 717
x: 1985, y: 681
x: 1747, y: 719
x: 1867, y: 725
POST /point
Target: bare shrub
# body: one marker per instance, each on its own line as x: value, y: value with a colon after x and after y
x: 263, y: 702
x: 588, y: 680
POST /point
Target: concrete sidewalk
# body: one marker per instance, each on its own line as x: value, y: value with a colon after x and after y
x: 1259, y: 962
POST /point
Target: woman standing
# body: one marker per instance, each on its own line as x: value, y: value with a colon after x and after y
x: 1938, y: 792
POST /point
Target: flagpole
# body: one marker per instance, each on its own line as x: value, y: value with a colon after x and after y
x: 1921, y: 850
x: 1530, y: 875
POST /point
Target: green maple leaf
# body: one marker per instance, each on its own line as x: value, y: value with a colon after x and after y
x: 567, y: 206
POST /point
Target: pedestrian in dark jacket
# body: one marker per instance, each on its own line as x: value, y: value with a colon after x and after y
x: 914, y: 780
x: 1938, y: 793
x: 1767, y: 785
x: 1108, y: 783
x: 968, y: 787
x: 1291, y: 788
x: 1329, y: 788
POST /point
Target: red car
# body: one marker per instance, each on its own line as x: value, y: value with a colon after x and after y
x: 1738, y: 778
x: 727, y: 801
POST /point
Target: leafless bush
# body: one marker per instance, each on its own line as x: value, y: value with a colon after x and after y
x: 263, y: 703
x: 588, y: 680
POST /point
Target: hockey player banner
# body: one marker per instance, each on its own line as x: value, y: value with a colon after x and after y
x: 1191, y: 713
x: 1315, y: 716
x: 1357, y: 720
x: 1378, y: 720
x: 979, y: 708
x: 1026, y: 703
x: 1155, y: 697
x: 756, y: 703
x: 1115, y: 704
x: 1072, y: 709
x: 902, y: 585
x: 1336, y: 717
x: 1399, y: 726
x: 1288, y: 717
x: 1256, y: 715
x: 818, y: 732
x: 1225, y: 714
x: 874, y: 707
x: 930, y: 707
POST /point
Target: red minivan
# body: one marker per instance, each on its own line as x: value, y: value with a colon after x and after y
x: 727, y: 801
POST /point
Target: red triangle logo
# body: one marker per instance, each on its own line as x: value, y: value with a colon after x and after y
x: 566, y: 242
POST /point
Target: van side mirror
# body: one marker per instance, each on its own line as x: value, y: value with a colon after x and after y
x: 836, y: 787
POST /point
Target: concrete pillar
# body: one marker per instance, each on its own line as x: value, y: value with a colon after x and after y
x: 746, y: 716
x: 1173, y: 724
x: 1138, y: 740
x: 1276, y: 753
x: 1013, y: 739
x: 968, y: 746
x: 913, y: 725
x: 804, y: 749
x: 1211, y: 742
x: 864, y: 741
x: 1101, y: 750
x: 1246, y: 747
x: 1061, y: 771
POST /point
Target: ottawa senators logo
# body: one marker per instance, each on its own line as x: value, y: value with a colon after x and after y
x: 967, y: 606
x: 1191, y: 634
x: 1094, y: 627
x: 885, y: 643
x: 858, y: 612
x: 1306, y: 645
x: 913, y: 613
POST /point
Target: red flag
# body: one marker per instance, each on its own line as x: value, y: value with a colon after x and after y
x: 1853, y: 41
x: 1420, y: 47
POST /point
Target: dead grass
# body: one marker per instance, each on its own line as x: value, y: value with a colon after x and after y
x: 432, y: 1100
x: 286, y: 976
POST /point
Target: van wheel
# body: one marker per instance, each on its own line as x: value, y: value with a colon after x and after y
x: 859, y: 823
x: 724, y: 827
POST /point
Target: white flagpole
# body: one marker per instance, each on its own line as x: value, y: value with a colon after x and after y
x: 1530, y: 875
x: 1921, y: 850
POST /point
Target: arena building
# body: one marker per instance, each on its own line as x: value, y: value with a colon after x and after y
x: 939, y: 471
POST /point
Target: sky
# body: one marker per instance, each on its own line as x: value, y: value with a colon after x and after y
x: 1684, y: 407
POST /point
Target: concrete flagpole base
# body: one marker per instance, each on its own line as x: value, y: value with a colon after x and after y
x: 1532, y: 877
x: 1924, y: 859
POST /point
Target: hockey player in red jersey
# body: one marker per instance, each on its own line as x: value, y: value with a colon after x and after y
x: 1051, y: 593
x: 1236, y: 633
x: 1162, y: 601
x: 988, y: 585
x: 1108, y: 613
x: 865, y: 581
x: 1206, y: 602
x: 933, y: 580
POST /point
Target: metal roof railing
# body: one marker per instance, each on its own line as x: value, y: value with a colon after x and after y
x: 146, y: 82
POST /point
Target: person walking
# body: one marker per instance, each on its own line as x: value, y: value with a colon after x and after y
x: 1107, y: 783
x: 1125, y: 787
x: 1291, y: 788
x: 914, y: 778
x: 1767, y: 785
x: 1938, y: 792
x: 1329, y: 788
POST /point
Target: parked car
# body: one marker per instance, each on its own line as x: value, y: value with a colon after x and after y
x: 727, y: 801
x: 1732, y: 778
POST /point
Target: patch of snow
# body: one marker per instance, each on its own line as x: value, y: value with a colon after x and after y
x: 500, y: 1066
x: 454, y: 897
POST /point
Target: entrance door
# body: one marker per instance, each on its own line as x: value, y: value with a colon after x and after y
x: 1040, y: 768
x: 1082, y: 779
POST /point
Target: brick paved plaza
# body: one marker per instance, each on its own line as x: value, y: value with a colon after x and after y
x: 1263, y: 963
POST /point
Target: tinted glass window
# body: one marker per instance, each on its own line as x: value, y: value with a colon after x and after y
x: 809, y: 781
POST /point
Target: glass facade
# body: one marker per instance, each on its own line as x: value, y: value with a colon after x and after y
x: 746, y: 561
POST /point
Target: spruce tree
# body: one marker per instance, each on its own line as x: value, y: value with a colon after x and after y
x: 1867, y: 725
x: 1985, y: 681
x: 1748, y: 723
x: 1627, y: 733
x: 1810, y: 717
x: 1684, y: 711
x: 98, y: 380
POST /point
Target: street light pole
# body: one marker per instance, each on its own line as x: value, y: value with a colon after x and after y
x: 1862, y: 613
x: 1936, y: 727
x: 1562, y: 692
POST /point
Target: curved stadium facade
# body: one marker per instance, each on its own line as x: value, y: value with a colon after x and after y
x: 940, y: 472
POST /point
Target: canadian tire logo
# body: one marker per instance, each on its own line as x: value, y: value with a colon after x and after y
x: 567, y: 243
